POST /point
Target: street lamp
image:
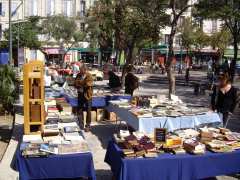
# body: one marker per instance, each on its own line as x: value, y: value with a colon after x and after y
x: 10, y: 31
x: 10, y: 14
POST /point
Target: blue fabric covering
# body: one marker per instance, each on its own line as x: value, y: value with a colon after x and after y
x: 56, y: 166
x: 97, y: 101
x: 3, y: 57
x: 172, y: 167
x: 148, y: 124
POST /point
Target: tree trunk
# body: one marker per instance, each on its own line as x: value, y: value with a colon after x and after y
x: 233, y: 63
x: 129, y: 59
x: 170, y: 72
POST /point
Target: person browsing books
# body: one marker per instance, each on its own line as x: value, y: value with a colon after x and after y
x: 84, y: 86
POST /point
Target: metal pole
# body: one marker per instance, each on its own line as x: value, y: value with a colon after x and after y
x: 10, y: 32
x: 18, y: 35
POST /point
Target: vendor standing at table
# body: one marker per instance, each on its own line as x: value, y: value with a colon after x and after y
x: 224, y: 98
x: 84, y: 85
x: 131, y: 81
x: 114, y: 81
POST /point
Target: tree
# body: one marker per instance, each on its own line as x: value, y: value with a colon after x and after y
x: 220, y: 40
x: 100, y: 25
x: 201, y: 39
x: 8, y: 90
x: 64, y: 31
x: 229, y: 13
x: 24, y: 34
x: 123, y: 24
x: 178, y: 7
x: 188, y: 33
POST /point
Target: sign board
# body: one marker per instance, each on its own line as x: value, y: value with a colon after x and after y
x: 20, y: 57
x: 160, y: 135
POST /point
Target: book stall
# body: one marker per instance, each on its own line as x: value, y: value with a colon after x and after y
x: 188, y: 154
x: 53, y: 145
x: 144, y: 114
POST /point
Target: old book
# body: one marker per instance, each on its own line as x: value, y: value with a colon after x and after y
x: 73, y: 148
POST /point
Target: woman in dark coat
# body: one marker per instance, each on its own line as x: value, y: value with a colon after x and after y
x: 224, y: 98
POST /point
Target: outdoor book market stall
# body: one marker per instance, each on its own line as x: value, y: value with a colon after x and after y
x: 53, y: 145
x: 100, y: 101
x: 173, y: 140
x: 182, y: 155
x: 169, y: 115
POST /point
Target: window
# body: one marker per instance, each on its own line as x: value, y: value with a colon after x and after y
x: 33, y: 11
x: 214, y: 26
x: 166, y: 38
x: 2, y: 11
x: 50, y: 7
x: 82, y: 26
x: 68, y: 8
x: 14, y: 8
x: 82, y: 8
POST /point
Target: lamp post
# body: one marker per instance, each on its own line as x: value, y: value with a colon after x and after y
x: 10, y: 32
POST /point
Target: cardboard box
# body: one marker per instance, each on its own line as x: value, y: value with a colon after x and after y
x: 35, y: 113
x: 93, y: 116
x: 112, y: 116
x: 100, y: 114
x: 36, y: 92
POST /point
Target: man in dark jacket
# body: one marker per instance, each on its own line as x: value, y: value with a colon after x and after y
x: 114, y: 81
x: 131, y: 81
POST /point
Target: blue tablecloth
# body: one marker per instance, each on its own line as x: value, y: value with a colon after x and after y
x: 172, y: 167
x: 55, y: 166
x: 97, y: 101
x: 148, y: 124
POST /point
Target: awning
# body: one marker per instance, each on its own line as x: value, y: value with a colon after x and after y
x: 52, y: 50
x: 229, y: 53
x: 85, y: 49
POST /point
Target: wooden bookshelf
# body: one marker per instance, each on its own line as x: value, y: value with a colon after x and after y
x: 34, y: 111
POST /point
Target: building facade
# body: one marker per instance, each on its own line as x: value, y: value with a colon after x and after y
x: 208, y: 26
x: 21, y: 9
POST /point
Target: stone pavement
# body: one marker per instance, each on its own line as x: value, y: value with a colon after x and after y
x: 5, y: 133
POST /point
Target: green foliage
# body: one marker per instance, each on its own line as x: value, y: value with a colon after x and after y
x: 125, y: 24
x: 188, y: 33
x: 100, y: 20
x: 201, y: 39
x: 8, y: 93
x: 62, y: 29
x: 220, y: 40
x: 229, y: 12
x: 27, y: 31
